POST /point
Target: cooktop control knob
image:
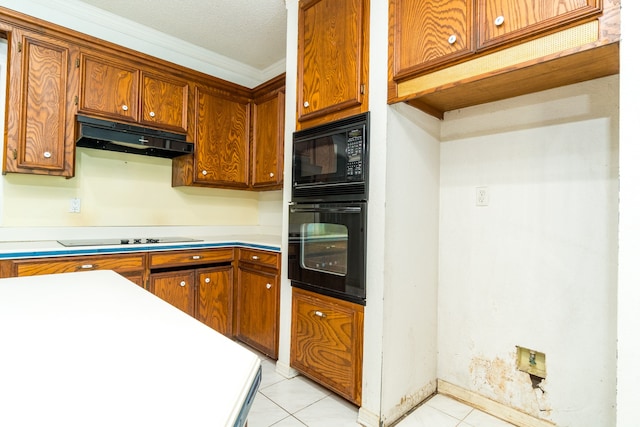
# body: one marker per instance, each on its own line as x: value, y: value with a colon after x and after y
x: 124, y: 241
x: 137, y: 241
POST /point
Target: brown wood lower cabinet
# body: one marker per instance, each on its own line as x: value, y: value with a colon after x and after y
x: 131, y: 266
x: 204, y: 293
x: 326, y: 342
x: 257, y: 300
x: 198, y: 282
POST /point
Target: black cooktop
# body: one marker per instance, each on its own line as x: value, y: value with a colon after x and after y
x: 127, y: 241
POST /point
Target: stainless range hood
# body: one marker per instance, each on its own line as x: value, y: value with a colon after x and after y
x: 114, y: 136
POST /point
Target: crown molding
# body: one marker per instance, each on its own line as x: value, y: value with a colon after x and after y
x: 90, y: 20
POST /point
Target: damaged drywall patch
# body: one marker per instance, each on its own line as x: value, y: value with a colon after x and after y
x: 409, y: 403
x: 500, y: 380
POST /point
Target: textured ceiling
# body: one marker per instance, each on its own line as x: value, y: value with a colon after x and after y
x: 252, y: 32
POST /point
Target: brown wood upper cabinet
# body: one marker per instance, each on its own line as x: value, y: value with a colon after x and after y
x: 221, y: 138
x: 446, y: 55
x: 123, y: 91
x: 40, y: 110
x: 427, y: 33
x: 502, y: 21
x: 333, y: 60
x: 267, y: 142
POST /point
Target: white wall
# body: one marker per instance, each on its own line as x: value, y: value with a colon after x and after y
x: 537, y: 267
x: 629, y: 267
x: 409, y: 333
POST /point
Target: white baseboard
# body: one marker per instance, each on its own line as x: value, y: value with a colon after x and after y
x: 367, y: 418
x: 286, y: 370
x: 489, y: 406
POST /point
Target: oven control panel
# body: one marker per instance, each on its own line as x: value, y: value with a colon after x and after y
x: 355, y: 152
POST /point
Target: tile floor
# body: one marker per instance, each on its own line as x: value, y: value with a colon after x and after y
x: 299, y: 402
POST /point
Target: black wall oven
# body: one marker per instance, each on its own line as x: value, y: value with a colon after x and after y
x: 327, y: 248
x: 328, y: 213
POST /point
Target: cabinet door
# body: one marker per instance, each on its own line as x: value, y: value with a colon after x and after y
x: 221, y: 139
x: 268, y: 141
x: 332, y: 57
x: 109, y: 88
x: 40, y: 110
x: 501, y: 21
x: 427, y: 33
x: 214, y: 303
x: 326, y: 342
x: 257, y: 309
x: 176, y: 288
x: 164, y: 102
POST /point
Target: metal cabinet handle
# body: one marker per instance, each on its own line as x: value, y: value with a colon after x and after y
x: 207, y: 280
x: 452, y: 39
x: 255, y: 257
x: 269, y: 285
x: 183, y: 283
x: 125, y: 108
x: 86, y: 266
x: 306, y: 104
x: 320, y: 314
x: 152, y: 114
x: 47, y: 154
x: 271, y: 175
x: 196, y: 257
x: 204, y: 172
x: 499, y: 21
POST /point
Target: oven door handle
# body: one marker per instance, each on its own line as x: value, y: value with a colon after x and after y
x: 349, y: 209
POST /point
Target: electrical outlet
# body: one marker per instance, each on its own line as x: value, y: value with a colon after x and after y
x: 482, y: 196
x: 74, y: 205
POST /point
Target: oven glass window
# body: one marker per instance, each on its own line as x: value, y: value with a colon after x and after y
x: 324, y: 247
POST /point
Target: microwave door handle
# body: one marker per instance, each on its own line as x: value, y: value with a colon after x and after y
x: 349, y: 209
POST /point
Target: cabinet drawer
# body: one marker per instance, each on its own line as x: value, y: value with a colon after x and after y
x: 189, y: 257
x: 255, y: 256
x: 118, y: 263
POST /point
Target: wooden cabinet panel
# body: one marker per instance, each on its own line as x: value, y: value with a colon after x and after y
x: 40, y: 110
x: 268, y: 141
x: 165, y: 259
x: 118, y: 263
x: 109, y: 88
x: 257, y: 300
x: 175, y: 287
x: 427, y: 33
x: 501, y: 21
x: 124, y: 92
x: 131, y: 266
x: 326, y: 342
x: 264, y: 258
x: 214, y: 300
x: 164, y: 102
x: 221, y: 139
x: 333, y: 46
x: 518, y: 46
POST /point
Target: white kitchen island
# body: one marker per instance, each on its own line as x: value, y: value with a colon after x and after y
x: 94, y: 349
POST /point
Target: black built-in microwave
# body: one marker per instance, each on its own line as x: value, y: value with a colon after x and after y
x: 330, y: 161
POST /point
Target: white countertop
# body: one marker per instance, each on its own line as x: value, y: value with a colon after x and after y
x: 94, y: 349
x: 44, y: 248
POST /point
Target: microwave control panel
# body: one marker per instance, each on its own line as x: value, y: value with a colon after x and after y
x: 355, y: 154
